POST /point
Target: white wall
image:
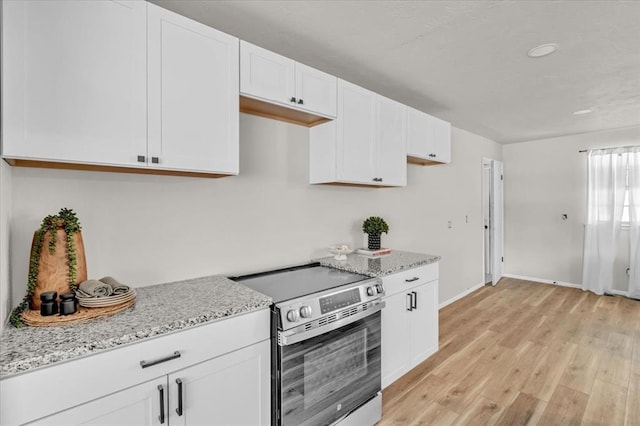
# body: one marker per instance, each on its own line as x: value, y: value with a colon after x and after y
x: 152, y: 229
x: 543, y: 180
x: 5, y: 219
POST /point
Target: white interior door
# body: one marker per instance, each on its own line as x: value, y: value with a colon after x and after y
x: 487, y: 178
x: 497, y: 216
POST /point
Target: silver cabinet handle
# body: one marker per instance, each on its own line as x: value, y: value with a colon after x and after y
x: 410, y: 280
x: 145, y: 364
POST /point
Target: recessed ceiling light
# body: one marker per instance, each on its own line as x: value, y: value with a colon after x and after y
x: 581, y: 112
x: 542, y: 50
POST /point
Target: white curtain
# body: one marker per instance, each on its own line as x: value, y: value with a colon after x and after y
x: 634, y: 222
x: 606, y: 189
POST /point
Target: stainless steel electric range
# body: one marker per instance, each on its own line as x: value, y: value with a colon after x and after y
x: 325, y: 357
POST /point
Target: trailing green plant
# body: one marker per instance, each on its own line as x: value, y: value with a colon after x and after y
x: 66, y: 219
x: 375, y: 225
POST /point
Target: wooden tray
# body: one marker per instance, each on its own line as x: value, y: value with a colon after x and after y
x: 34, y: 319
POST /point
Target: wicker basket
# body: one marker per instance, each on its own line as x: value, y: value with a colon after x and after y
x: 34, y: 319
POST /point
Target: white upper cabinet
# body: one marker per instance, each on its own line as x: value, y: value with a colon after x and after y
x: 74, y: 81
x: 391, y: 142
x: 355, y: 134
x: 123, y: 84
x: 365, y: 145
x: 428, y: 138
x: 279, y: 80
x: 193, y: 95
x: 316, y: 91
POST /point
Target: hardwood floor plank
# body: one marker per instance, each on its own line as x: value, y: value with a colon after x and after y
x: 586, y: 304
x: 403, y: 411
x: 581, y: 371
x: 522, y: 411
x: 615, y: 370
x: 632, y: 412
x: 454, y: 367
x: 606, y: 405
x: 459, y: 396
x: 481, y: 412
x: 569, y: 356
x: 565, y: 408
x: 539, y: 296
x: 547, y: 373
x: 503, y: 388
x: 435, y: 415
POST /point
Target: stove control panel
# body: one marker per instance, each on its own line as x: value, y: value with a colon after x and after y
x: 312, y: 307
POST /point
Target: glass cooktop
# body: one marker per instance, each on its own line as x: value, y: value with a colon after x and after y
x: 297, y: 281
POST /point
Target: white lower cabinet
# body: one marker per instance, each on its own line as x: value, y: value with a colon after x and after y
x: 138, y: 405
x: 232, y: 389
x: 228, y: 390
x: 409, y: 320
x: 222, y: 368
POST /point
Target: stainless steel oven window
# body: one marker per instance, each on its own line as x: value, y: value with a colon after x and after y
x: 334, y: 366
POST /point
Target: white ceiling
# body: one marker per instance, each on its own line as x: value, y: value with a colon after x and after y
x: 463, y: 61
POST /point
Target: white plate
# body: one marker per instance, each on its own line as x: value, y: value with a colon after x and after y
x: 101, y: 302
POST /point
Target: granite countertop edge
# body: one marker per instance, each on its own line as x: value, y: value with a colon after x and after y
x: 250, y: 301
x: 380, y: 266
x: 234, y: 299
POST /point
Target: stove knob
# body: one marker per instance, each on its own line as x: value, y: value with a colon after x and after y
x: 371, y: 291
x: 293, y: 315
x: 305, y: 312
x: 379, y: 289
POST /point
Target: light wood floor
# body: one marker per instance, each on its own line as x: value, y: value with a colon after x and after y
x: 526, y: 353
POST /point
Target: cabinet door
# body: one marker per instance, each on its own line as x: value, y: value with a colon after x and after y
x: 424, y: 322
x: 135, y: 406
x: 355, y: 134
x: 395, y: 338
x: 417, y: 133
x: 440, y: 139
x: 316, y: 91
x: 74, y: 81
x: 193, y: 95
x: 266, y: 75
x: 233, y: 389
x: 391, y: 151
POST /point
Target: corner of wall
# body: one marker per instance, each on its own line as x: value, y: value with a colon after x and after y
x: 6, y: 176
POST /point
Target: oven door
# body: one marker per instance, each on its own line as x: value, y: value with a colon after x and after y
x: 327, y: 376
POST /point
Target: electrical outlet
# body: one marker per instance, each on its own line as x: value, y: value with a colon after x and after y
x: 449, y: 224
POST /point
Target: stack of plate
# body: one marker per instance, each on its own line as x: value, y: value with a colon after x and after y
x: 101, y: 302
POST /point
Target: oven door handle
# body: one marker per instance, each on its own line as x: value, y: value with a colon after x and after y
x: 290, y: 337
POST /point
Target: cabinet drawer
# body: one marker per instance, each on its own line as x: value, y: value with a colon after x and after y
x: 404, y: 280
x: 68, y: 384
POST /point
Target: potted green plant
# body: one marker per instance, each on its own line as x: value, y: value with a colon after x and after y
x: 57, y: 261
x: 374, y: 227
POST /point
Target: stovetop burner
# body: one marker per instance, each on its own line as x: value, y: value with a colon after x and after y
x: 290, y: 283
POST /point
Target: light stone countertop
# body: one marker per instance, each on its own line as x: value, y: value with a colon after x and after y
x: 380, y: 266
x: 159, y: 309
x: 165, y: 308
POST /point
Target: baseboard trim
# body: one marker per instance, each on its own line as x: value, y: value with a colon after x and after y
x: 461, y: 295
x: 560, y: 283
